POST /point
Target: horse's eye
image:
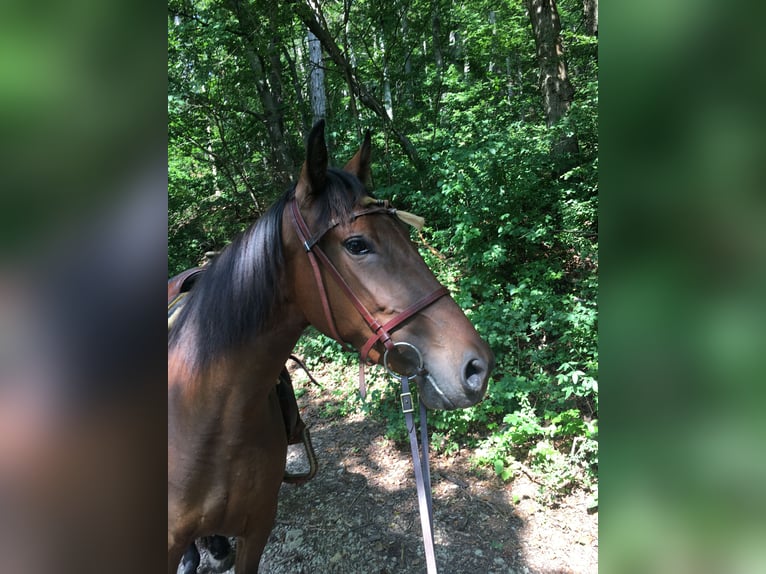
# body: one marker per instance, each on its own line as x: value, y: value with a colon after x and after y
x: 357, y: 246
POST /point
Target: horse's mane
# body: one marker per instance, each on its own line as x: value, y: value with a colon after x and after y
x: 235, y: 299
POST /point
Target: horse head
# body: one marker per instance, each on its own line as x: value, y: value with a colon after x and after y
x: 368, y: 287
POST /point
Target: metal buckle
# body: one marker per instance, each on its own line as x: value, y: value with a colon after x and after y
x: 407, y: 404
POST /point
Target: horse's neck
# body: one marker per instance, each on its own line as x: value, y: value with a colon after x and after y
x: 241, y: 376
x: 222, y: 413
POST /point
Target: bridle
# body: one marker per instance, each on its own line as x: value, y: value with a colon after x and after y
x: 380, y: 333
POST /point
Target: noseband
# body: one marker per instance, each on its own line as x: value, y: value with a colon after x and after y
x: 380, y: 332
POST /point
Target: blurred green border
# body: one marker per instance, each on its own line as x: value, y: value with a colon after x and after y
x: 82, y: 109
x: 683, y: 288
x: 83, y: 150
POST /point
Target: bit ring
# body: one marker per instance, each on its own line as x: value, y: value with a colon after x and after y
x: 396, y: 375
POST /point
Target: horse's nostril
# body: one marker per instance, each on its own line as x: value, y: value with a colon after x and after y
x: 475, y: 374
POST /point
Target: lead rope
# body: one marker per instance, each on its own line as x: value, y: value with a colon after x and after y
x: 422, y: 471
x: 419, y: 453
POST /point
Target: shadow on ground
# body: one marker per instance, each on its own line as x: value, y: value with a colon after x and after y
x: 359, y: 515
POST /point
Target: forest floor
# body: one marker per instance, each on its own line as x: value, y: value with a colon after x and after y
x: 359, y: 514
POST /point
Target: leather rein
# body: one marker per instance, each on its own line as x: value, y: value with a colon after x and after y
x: 380, y: 333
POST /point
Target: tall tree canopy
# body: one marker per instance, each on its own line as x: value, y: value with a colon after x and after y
x: 484, y: 121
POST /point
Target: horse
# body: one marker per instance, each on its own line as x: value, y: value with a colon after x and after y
x: 327, y: 254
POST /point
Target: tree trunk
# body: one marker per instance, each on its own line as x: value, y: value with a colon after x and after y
x: 353, y: 108
x: 436, y: 33
x: 493, y: 22
x: 555, y: 86
x: 590, y: 11
x: 388, y: 100
x: 316, y: 79
x: 294, y: 59
x: 407, y: 88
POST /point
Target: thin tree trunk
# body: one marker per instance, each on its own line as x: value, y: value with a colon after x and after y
x: 408, y: 91
x: 353, y: 108
x: 555, y: 86
x: 436, y: 33
x: 388, y: 100
x: 493, y: 22
x: 316, y: 79
x: 590, y: 11
x: 294, y: 61
x: 211, y: 158
x: 268, y: 84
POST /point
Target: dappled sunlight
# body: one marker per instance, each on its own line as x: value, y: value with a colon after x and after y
x: 360, y: 512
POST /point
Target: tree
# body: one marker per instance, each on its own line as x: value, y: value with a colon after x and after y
x: 590, y: 11
x: 316, y: 78
x: 359, y: 89
x: 555, y: 86
x: 266, y: 66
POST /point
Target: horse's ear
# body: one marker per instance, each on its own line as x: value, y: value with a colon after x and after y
x: 359, y: 165
x: 314, y: 171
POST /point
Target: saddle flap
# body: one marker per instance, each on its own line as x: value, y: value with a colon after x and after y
x: 183, y: 282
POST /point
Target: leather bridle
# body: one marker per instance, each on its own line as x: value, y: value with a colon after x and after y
x: 380, y: 332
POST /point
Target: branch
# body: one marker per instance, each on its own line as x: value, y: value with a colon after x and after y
x: 237, y: 168
x: 307, y: 16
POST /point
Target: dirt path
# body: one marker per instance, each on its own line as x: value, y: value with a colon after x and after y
x: 359, y: 514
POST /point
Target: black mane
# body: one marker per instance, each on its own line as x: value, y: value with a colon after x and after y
x: 339, y: 198
x: 234, y: 300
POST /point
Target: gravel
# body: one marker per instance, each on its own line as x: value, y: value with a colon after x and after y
x: 359, y: 514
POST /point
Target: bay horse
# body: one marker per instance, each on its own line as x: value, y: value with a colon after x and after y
x: 325, y: 254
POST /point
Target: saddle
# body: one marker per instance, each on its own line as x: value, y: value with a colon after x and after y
x: 295, y: 429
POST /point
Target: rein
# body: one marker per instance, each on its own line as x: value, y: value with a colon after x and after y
x: 419, y: 455
x: 381, y: 333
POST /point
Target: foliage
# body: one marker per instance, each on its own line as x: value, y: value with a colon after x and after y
x: 512, y: 222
